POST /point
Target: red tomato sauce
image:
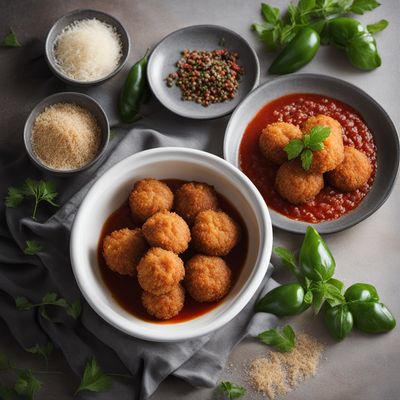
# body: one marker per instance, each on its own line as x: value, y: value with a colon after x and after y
x: 126, y: 290
x: 295, y: 108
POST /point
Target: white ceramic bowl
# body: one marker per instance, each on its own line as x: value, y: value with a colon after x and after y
x: 112, y: 189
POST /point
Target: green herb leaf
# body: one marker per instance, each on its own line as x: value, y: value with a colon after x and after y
x: 74, y: 309
x: 4, y: 362
x: 308, y: 297
x: 306, y: 159
x: 306, y: 140
x: 270, y: 14
x: 318, y: 134
x: 14, y: 197
x: 306, y: 5
x: 7, y: 393
x: 221, y: 42
x: 378, y: 26
x: 22, y: 303
x: 49, y: 298
x: 229, y: 390
x: 32, y: 247
x: 11, y: 40
x: 43, y: 351
x: 284, y: 340
x: 361, y: 6
x: 294, y: 148
x: 288, y: 258
x: 293, y: 13
x: 27, y: 384
x: 94, y: 379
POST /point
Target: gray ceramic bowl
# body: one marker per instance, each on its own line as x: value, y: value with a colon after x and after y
x: 68, y: 97
x: 77, y: 15
x: 374, y: 115
x: 201, y: 37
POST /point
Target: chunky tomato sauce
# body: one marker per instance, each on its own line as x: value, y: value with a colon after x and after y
x: 127, y: 291
x: 295, y: 108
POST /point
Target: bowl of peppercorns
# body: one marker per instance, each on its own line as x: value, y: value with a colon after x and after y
x: 202, y: 71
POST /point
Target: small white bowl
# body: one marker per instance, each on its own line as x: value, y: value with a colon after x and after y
x: 113, y: 188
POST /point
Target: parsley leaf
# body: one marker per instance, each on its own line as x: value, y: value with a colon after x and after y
x: 306, y: 159
x: 94, y: 379
x: 5, y: 363
x: 360, y: 6
x: 294, y: 148
x: 22, y: 303
x: 284, y: 340
x: 14, y: 197
x: 27, y: 384
x: 228, y: 390
x: 74, y: 309
x: 32, y: 247
x: 43, y: 351
x: 11, y: 40
x: 378, y: 26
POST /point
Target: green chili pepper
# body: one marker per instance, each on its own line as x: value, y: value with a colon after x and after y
x: 299, y: 52
x: 316, y: 260
x: 372, y: 317
x: 134, y: 91
x: 283, y: 300
x: 339, y: 321
x: 361, y: 292
x: 342, y: 30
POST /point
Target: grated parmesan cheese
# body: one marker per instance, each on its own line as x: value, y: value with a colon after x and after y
x: 87, y: 50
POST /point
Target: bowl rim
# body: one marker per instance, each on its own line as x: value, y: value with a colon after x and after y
x: 51, y: 61
x: 203, y: 26
x: 229, y: 134
x: 246, y: 292
x: 66, y: 97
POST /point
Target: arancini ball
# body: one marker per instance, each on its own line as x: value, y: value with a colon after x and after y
x: 274, y: 137
x: 353, y: 172
x: 123, y: 249
x: 149, y: 196
x: 214, y: 233
x: 207, y: 278
x: 332, y: 154
x: 167, y: 230
x: 159, y: 271
x: 297, y: 185
x: 164, y: 306
x: 194, y: 197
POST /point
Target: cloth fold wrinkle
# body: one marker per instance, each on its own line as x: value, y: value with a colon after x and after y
x: 198, y: 361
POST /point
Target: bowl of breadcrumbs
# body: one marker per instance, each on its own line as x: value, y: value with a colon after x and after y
x: 66, y: 133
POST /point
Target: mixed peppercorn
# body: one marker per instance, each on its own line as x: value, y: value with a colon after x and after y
x: 207, y: 77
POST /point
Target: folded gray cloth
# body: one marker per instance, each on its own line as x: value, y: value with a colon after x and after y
x: 198, y: 361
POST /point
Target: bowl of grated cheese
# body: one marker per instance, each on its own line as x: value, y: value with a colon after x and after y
x: 86, y: 47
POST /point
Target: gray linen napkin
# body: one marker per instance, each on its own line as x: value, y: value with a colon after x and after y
x: 199, y: 361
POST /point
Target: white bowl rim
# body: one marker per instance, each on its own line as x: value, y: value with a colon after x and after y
x: 247, y: 291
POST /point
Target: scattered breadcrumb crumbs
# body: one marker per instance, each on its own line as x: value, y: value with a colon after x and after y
x: 279, y: 373
x: 65, y: 136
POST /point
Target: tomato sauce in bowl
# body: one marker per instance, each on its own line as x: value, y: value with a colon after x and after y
x: 329, y: 204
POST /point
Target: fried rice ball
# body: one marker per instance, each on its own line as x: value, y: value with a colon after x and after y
x: 149, y: 196
x: 123, y: 249
x: 192, y: 198
x: 207, y: 278
x: 164, y: 306
x: 167, y: 230
x: 215, y: 233
x: 353, y: 172
x: 274, y: 137
x: 296, y: 185
x: 159, y: 271
x: 332, y: 155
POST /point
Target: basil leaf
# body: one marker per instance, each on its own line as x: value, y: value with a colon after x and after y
x: 306, y: 159
x: 362, y: 52
x: 270, y: 14
x: 32, y: 247
x: 318, y: 134
x: 308, y: 297
x: 284, y: 340
x: 378, y: 26
x: 288, y: 258
x: 229, y: 390
x: 94, y: 379
x: 306, y: 5
x: 360, y: 6
x: 74, y: 309
x: 292, y: 13
x: 11, y: 40
x: 294, y: 148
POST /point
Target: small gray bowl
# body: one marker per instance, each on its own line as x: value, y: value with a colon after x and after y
x: 68, y: 97
x: 78, y: 15
x: 201, y: 37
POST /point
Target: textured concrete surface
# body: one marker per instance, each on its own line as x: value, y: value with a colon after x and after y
x: 361, y: 367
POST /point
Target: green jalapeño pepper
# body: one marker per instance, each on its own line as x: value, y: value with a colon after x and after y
x: 316, y: 260
x: 361, y: 292
x: 134, y: 91
x: 339, y: 321
x: 283, y: 300
x: 372, y: 317
x: 299, y: 52
x: 342, y: 30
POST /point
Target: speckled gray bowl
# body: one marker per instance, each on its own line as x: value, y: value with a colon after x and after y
x: 68, y: 97
x: 374, y: 115
x: 78, y: 15
x: 201, y: 37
